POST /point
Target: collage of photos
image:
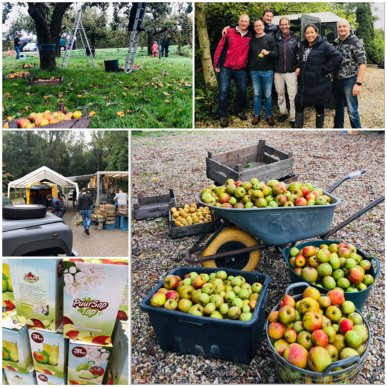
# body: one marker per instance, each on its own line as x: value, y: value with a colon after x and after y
x: 193, y: 193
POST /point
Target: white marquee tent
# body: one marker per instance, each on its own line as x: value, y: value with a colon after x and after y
x: 41, y: 174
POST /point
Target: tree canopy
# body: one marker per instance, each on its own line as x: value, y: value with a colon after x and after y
x: 66, y: 152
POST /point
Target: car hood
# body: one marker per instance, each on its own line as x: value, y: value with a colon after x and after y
x: 10, y: 224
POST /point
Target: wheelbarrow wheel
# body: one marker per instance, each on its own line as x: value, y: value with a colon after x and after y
x: 232, y: 238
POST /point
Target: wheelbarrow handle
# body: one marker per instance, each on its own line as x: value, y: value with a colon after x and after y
x: 353, y: 217
x: 351, y: 175
x: 342, y: 363
x: 376, y: 272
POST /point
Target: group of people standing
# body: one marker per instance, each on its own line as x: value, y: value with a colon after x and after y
x: 305, y: 68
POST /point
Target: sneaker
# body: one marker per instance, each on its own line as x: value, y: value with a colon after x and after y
x: 270, y: 121
x: 282, y: 118
x: 292, y: 124
x: 242, y: 116
x: 256, y: 120
x: 223, y: 122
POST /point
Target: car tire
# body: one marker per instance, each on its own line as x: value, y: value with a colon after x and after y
x: 24, y: 211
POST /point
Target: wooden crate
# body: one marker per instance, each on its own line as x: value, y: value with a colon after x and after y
x: 193, y: 229
x: 33, y: 81
x: 82, y: 122
x: 260, y: 161
x: 153, y: 206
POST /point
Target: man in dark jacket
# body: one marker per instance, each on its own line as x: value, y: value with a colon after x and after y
x: 58, y: 207
x: 262, y: 54
x: 285, y: 70
x: 230, y: 61
x: 267, y: 17
x: 349, y: 78
x: 16, y: 43
x: 165, y: 46
x: 84, y: 206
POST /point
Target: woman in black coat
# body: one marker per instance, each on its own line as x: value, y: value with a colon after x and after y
x: 317, y: 60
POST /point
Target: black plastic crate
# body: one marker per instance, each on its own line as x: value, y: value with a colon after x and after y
x: 231, y: 340
x: 193, y: 229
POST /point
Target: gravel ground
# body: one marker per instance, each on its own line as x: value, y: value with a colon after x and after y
x: 177, y: 160
x: 100, y: 243
x: 371, y: 107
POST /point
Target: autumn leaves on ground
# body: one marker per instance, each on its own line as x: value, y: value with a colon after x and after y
x: 159, y: 95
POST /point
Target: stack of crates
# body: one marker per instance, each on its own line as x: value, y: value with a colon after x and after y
x: 122, y: 214
x: 109, y: 211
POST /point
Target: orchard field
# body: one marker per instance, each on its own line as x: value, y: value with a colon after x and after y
x: 159, y: 95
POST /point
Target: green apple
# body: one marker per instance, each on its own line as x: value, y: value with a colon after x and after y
x: 348, y: 307
x: 234, y: 312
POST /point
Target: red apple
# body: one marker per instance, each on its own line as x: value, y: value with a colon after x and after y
x: 319, y: 337
x: 345, y: 325
x: 276, y: 330
x: 296, y: 354
x: 336, y: 296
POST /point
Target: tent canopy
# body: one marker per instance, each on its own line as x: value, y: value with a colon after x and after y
x: 115, y: 174
x: 41, y: 174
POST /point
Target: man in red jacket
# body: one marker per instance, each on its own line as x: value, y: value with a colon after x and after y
x: 230, y: 61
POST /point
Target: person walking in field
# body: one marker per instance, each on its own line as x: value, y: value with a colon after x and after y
x: 16, y: 43
x: 84, y: 207
x: 155, y: 50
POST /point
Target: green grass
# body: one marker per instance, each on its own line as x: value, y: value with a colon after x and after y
x: 159, y: 95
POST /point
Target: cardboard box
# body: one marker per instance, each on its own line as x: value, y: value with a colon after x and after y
x: 119, y: 363
x: 8, y: 299
x: 16, y: 347
x: 87, y: 362
x: 123, y: 309
x: 49, y: 380
x: 16, y: 378
x: 38, y: 290
x: 49, y: 352
x: 92, y: 295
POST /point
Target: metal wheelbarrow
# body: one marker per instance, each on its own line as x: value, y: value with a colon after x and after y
x: 242, y: 234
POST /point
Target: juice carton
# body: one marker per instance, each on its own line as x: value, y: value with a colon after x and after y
x: 16, y: 378
x: 4, y: 380
x: 119, y: 363
x: 16, y: 347
x: 49, y: 380
x: 123, y: 309
x: 8, y: 301
x: 87, y: 362
x: 38, y: 289
x: 49, y: 351
x: 92, y: 295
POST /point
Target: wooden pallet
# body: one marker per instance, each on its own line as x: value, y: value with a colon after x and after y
x: 260, y: 161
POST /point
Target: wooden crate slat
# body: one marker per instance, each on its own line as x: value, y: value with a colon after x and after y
x: 218, y: 167
x: 261, y: 150
x: 234, y: 155
x: 276, y: 152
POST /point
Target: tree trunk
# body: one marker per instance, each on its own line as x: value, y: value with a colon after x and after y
x: 204, y: 43
x: 47, y: 33
x: 149, y: 39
